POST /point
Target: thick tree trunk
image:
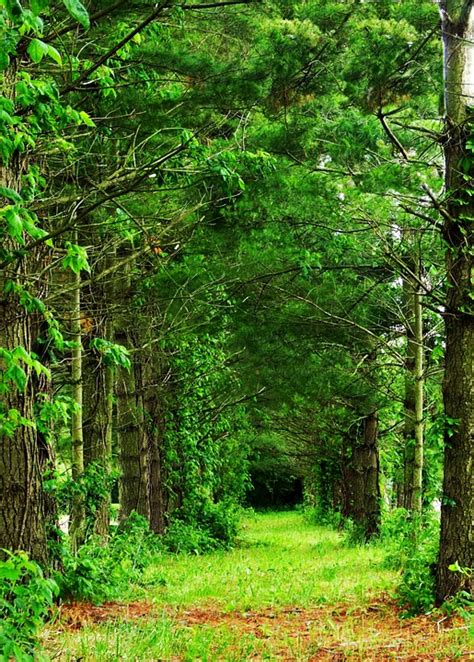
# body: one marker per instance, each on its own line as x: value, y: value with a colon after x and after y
x: 98, y: 427
x: 457, y: 541
x: 24, y: 455
x: 364, y: 478
x: 131, y: 432
x: 133, y: 443
x: 25, y: 509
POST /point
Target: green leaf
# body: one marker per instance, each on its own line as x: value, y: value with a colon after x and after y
x: 54, y: 54
x: 4, y: 59
x: 8, y: 571
x: 79, y: 12
x: 14, y: 224
x: 9, y: 193
x: 86, y: 119
x: 76, y: 258
x: 14, y: 9
x: 37, y: 6
x: 37, y: 49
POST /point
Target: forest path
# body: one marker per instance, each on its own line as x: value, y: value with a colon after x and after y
x: 289, y: 591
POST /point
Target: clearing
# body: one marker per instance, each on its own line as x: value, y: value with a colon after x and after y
x: 289, y: 591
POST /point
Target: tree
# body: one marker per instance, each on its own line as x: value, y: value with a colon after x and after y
x: 457, y: 542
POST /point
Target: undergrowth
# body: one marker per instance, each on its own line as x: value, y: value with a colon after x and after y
x: 412, y: 547
x: 98, y: 572
x: 26, y: 596
x: 101, y: 572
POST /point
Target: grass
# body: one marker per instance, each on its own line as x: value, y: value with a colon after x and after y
x: 281, y: 560
x: 289, y: 591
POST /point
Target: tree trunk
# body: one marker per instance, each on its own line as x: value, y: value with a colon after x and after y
x: 98, y: 427
x: 133, y: 443
x: 457, y: 543
x: 78, y: 517
x: 414, y: 390
x: 24, y: 454
x: 132, y: 438
x: 409, y: 400
x: 155, y: 431
x: 25, y: 509
x: 364, y: 479
x: 417, y: 491
x: 99, y: 389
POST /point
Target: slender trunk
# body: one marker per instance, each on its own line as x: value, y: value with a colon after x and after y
x: 410, y: 399
x: 457, y: 512
x: 414, y: 391
x: 417, y: 492
x: 78, y: 517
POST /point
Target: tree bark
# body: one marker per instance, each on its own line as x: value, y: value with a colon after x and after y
x: 364, y: 479
x: 417, y: 491
x: 78, y: 516
x: 409, y: 385
x: 99, y: 390
x: 132, y: 438
x: 151, y: 374
x: 25, y: 455
x: 457, y: 512
x: 414, y: 389
x: 25, y: 508
x: 133, y: 443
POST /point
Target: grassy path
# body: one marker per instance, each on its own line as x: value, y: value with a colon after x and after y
x: 289, y: 591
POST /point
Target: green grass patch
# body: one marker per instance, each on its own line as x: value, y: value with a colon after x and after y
x: 281, y: 560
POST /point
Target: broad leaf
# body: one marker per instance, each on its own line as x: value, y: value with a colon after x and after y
x: 37, y: 50
x: 79, y: 12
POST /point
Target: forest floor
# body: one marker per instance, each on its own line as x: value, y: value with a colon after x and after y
x: 289, y: 591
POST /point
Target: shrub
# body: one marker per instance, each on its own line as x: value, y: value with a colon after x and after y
x: 187, y: 537
x: 206, y: 527
x: 102, y: 572
x: 25, y: 598
x: 412, y: 545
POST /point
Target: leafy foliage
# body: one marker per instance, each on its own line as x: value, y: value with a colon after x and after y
x: 26, y: 596
x: 413, y: 547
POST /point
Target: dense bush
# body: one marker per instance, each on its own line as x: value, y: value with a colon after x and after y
x: 207, y: 526
x: 412, y: 545
x: 25, y: 598
x: 102, y: 572
x: 323, y: 516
